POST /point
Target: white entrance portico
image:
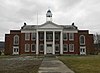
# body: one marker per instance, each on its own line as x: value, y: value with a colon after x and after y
x: 49, y: 38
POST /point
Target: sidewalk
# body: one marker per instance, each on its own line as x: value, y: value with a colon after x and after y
x: 53, y: 65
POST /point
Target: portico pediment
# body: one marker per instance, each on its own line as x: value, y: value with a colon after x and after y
x: 49, y: 25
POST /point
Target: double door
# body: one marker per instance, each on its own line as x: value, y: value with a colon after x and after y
x: 49, y: 49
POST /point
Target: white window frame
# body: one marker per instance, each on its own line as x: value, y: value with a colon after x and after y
x: 31, y: 47
x: 66, y: 47
x: 58, y: 48
x: 70, y: 48
x: 81, y: 52
x: 32, y: 36
x: 27, y: 36
x: 80, y: 39
x: 14, y: 51
x: 66, y: 36
x: 28, y: 47
x: 43, y: 47
x: 15, y: 40
x: 71, y: 39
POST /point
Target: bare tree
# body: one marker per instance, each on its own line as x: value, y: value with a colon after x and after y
x: 97, y: 41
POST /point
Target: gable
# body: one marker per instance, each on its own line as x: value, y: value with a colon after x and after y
x: 49, y: 25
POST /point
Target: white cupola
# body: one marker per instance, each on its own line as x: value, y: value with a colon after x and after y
x: 48, y: 16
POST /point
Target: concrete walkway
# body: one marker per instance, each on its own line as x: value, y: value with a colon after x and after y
x: 53, y: 65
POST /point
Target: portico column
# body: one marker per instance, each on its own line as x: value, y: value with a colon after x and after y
x: 53, y: 42
x: 37, y: 42
x: 45, y: 42
x: 61, y: 43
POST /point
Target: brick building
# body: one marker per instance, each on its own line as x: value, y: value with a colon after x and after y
x: 49, y: 38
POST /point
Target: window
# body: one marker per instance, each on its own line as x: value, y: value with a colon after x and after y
x: 82, y: 40
x: 27, y: 36
x: 65, y: 47
x: 57, y: 36
x: 57, y: 47
x: 41, y: 37
x: 27, y: 47
x: 49, y: 36
x: 15, y: 49
x: 71, y: 36
x: 16, y: 40
x: 65, y: 36
x: 41, y: 47
x: 82, y: 50
x: 71, y: 47
x: 33, y: 36
x: 33, y: 48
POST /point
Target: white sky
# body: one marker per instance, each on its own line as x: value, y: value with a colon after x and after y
x: 84, y: 13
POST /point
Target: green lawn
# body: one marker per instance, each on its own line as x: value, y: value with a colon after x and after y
x: 82, y: 64
x: 20, y: 64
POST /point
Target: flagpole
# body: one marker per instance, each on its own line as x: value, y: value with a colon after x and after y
x: 37, y: 19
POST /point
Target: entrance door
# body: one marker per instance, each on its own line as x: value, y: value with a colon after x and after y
x: 15, y: 50
x: 49, y: 48
x: 82, y: 50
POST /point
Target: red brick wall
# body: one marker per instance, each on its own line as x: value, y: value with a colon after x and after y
x: 75, y: 42
x: 22, y: 42
x: 88, y: 41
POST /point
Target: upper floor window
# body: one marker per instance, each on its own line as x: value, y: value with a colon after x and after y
x: 27, y: 47
x: 65, y: 47
x: 27, y: 36
x: 33, y: 36
x: 57, y: 36
x: 71, y: 36
x: 16, y: 40
x: 65, y: 36
x: 82, y: 40
x: 71, y: 47
x: 49, y: 36
x: 41, y: 36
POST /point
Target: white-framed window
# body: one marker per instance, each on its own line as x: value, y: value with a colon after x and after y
x: 57, y: 47
x: 33, y: 36
x: 65, y: 47
x: 15, y: 50
x: 41, y: 36
x: 65, y: 36
x: 27, y: 47
x: 27, y: 36
x: 16, y: 40
x: 41, y: 47
x: 82, y: 50
x: 82, y: 40
x: 49, y: 36
x: 71, y: 47
x: 71, y: 36
x: 33, y: 47
x: 57, y: 36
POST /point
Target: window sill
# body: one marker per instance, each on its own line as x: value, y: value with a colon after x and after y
x: 33, y: 51
x: 65, y: 51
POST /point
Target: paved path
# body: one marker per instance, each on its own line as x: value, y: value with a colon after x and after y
x: 53, y: 65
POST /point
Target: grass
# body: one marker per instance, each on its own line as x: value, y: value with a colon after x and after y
x: 20, y: 64
x: 82, y: 64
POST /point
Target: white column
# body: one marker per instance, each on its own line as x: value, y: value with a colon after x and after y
x: 45, y: 42
x: 37, y: 42
x: 53, y: 42
x: 61, y: 43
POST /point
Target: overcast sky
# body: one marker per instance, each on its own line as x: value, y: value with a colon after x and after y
x: 84, y: 13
